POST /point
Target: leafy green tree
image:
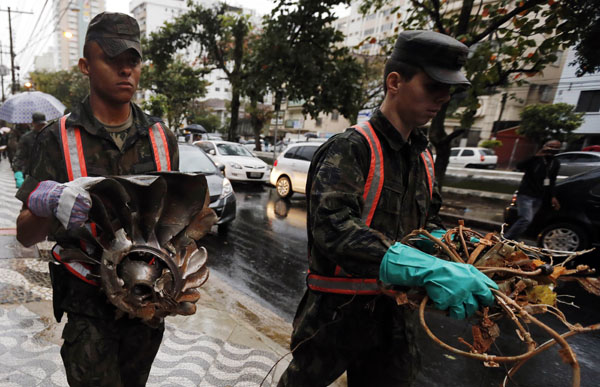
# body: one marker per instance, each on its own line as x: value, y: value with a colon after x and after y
x: 543, y: 122
x: 175, y: 84
x: 300, y: 53
x: 218, y: 34
x: 69, y: 86
x: 509, y: 40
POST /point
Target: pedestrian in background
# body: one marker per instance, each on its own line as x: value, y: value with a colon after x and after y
x: 14, y: 136
x: 367, y: 188
x: 538, y: 182
x: 105, y: 135
x: 22, y: 158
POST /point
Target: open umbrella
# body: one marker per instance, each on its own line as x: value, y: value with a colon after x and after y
x: 18, y: 108
x: 195, y: 128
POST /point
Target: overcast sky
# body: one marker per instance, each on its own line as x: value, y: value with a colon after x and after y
x: 33, y: 31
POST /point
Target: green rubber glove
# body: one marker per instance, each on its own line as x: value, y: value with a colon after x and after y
x: 426, y: 244
x: 19, y: 179
x: 459, y: 287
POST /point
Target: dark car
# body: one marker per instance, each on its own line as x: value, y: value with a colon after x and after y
x: 572, y: 163
x: 576, y: 226
x: 192, y: 159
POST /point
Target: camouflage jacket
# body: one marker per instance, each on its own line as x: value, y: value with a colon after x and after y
x: 24, y: 152
x: 336, y: 180
x: 102, y: 156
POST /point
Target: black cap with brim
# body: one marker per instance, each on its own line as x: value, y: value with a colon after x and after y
x: 115, y: 33
x: 439, y: 55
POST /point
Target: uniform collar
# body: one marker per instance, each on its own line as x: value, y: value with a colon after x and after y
x: 417, y: 140
x: 83, y: 117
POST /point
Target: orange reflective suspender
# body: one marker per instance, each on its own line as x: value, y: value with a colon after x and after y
x: 72, y: 148
x: 340, y: 284
x: 160, y: 148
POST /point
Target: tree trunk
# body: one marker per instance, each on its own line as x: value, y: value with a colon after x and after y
x: 235, y: 111
x: 257, y: 124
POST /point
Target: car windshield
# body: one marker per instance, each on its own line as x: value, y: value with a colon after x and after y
x: 233, y: 150
x: 192, y: 159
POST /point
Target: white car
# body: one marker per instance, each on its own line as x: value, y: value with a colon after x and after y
x: 238, y: 163
x: 291, y: 168
x: 470, y: 157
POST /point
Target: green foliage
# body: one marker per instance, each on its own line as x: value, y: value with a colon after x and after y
x: 69, y: 86
x: 490, y: 144
x: 175, y: 84
x: 217, y: 35
x: 300, y: 51
x: 156, y: 105
x: 549, y: 122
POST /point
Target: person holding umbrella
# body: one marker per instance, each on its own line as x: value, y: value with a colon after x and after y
x: 25, y: 148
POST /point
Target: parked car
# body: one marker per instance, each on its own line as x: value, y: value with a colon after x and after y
x: 238, y: 163
x: 572, y: 163
x: 576, y: 226
x: 469, y: 157
x: 222, y: 198
x: 291, y: 168
x: 251, y: 145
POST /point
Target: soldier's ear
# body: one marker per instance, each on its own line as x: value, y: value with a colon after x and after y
x: 393, y: 82
x: 84, y: 66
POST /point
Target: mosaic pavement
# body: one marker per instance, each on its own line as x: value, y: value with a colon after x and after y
x: 29, y: 356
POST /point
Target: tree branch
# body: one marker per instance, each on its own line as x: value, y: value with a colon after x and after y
x: 435, y: 16
x: 494, y: 26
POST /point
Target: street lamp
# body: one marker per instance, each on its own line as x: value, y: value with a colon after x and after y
x: 68, y: 34
x: 28, y: 85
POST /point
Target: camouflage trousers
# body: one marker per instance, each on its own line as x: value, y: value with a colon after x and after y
x: 369, y: 337
x: 115, y: 353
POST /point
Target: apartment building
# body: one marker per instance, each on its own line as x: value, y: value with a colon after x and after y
x: 584, y: 93
x: 72, y: 18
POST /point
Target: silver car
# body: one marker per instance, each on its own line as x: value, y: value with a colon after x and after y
x: 572, y: 163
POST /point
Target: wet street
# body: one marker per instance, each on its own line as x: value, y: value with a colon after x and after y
x: 264, y: 255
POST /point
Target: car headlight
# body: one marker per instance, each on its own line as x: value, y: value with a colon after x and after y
x: 227, y: 188
x: 235, y: 165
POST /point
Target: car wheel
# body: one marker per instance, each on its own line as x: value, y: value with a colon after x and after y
x: 284, y: 187
x: 223, y: 228
x: 563, y: 237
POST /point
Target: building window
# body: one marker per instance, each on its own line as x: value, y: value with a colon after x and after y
x: 335, y: 116
x: 217, y: 89
x: 368, y: 31
x: 318, y: 122
x: 545, y: 93
x: 371, y: 16
x: 589, y: 101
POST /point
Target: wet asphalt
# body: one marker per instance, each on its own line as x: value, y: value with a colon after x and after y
x: 264, y: 255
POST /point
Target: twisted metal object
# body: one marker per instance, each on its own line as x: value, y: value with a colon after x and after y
x: 526, y: 277
x: 141, y: 242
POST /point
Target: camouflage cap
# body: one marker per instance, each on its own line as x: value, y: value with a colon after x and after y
x: 114, y: 33
x: 38, y: 118
x: 439, y: 55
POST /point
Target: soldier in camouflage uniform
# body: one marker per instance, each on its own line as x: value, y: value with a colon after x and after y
x: 370, y: 336
x: 13, y: 141
x: 101, y: 346
x: 24, y: 149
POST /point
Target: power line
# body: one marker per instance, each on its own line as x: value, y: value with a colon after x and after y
x: 35, y: 25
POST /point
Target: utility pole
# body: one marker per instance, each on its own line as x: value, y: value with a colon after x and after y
x: 14, y: 86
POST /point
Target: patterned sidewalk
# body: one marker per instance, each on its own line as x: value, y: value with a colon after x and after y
x: 230, y: 341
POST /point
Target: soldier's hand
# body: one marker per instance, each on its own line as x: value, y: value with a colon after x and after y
x: 69, y: 204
